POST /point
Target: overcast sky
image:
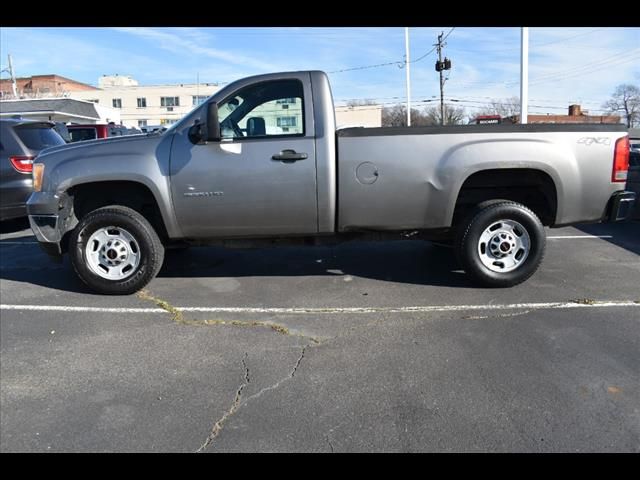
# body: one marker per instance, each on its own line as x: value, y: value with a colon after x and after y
x: 567, y: 65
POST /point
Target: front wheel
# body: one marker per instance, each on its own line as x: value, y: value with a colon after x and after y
x: 115, y: 250
x: 501, y: 244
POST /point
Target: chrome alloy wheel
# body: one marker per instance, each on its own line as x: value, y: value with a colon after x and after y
x: 504, y: 246
x: 112, y: 253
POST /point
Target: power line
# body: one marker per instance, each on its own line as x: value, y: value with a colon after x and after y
x: 618, y: 58
x: 585, y: 69
x: 367, y: 66
x: 567, y: 38
x: 399, y: 63
x: 434, y: 47
x: 560, y: 40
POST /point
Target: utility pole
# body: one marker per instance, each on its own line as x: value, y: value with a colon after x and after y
x: 524, y: 74
x: 9, y: 70
x: 408, y: 65
x: 440, y: 66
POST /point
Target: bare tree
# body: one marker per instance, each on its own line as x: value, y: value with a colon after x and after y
x: 626, y: 100
x: 452, y: 115
x: 360, y: 102
x: 396, y: 116
x: 505, y: 107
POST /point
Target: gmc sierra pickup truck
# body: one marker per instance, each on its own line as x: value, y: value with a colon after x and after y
x: 261, y: 163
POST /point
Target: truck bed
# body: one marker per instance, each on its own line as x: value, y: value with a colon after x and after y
x: 403, y: 178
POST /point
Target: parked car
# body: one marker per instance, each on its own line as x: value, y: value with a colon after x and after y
x: 20, y: 142
x: 82, y: 132
x: 153, y: 128
x: 219, y: 177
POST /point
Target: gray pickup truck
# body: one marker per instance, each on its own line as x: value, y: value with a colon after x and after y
x: 261, y: 163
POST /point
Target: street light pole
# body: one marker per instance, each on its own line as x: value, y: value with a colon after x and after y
x: 406, y: 46
x: 524, y: 74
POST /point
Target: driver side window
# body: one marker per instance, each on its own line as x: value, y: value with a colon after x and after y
x: 273, y: 108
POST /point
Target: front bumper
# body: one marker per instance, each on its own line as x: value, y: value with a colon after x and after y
x: 49, y: 236
x: 621, y: 206
x: 50, y: 217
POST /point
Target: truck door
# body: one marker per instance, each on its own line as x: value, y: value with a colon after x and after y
x: 260, y: 179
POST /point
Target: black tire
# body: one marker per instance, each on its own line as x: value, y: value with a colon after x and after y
x: 151, y: 249
x: 469, y: 233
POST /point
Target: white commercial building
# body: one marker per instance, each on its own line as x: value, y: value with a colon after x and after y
x: 359, y: 116
x: 152, y: 105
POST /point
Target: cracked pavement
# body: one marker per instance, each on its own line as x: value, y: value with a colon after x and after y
x: 521, y: 379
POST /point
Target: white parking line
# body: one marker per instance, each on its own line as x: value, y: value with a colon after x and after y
x: 556, y: 237
x: 332, y: 310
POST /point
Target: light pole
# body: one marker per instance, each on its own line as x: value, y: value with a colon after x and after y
x: 524, y: 73
x: 406, y: 47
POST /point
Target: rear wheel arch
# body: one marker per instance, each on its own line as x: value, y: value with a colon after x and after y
x: 531, y: 187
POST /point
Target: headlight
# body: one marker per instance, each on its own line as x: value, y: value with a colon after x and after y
x: 38, y: 174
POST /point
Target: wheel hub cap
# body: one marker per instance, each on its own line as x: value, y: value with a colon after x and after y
x: 112, y: 253
x: 504, y: 246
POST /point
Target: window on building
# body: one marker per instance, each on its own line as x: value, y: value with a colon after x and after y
x: 255, y: 111
x: 142, y: 123
x: 167, y: 121
x: 117, y: 103
x: 198, y: 99
x: 169, y: 101
x: 286, y: 121
x: 142, y: 102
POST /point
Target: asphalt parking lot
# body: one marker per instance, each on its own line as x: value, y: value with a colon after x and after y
x: 363, y: 347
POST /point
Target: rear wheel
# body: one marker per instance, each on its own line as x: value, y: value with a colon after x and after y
x: 501, y: 244
x: 115, y: 250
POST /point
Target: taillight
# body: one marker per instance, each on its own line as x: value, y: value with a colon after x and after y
x: 620, y: 160
x: 22, y: 163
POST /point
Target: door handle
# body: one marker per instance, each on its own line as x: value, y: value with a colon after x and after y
x: 289, y: 156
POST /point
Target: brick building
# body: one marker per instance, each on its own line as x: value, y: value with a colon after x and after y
x: 38, y: 86
x: 575, y: 115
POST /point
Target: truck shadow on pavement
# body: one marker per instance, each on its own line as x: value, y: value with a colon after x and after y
x: 414, y: 262
x: 411, y: 262
x: 625, y: 235
x: 14, y: 225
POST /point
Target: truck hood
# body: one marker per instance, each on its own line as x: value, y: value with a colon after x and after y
x: 137, y: 144
x: 91, y: 143
x: 99, y: 160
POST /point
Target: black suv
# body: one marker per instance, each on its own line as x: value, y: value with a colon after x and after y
x: 20, y: 143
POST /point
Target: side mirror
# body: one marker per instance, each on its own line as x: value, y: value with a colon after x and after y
x: 195, y: 132
x: 213, y: 125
